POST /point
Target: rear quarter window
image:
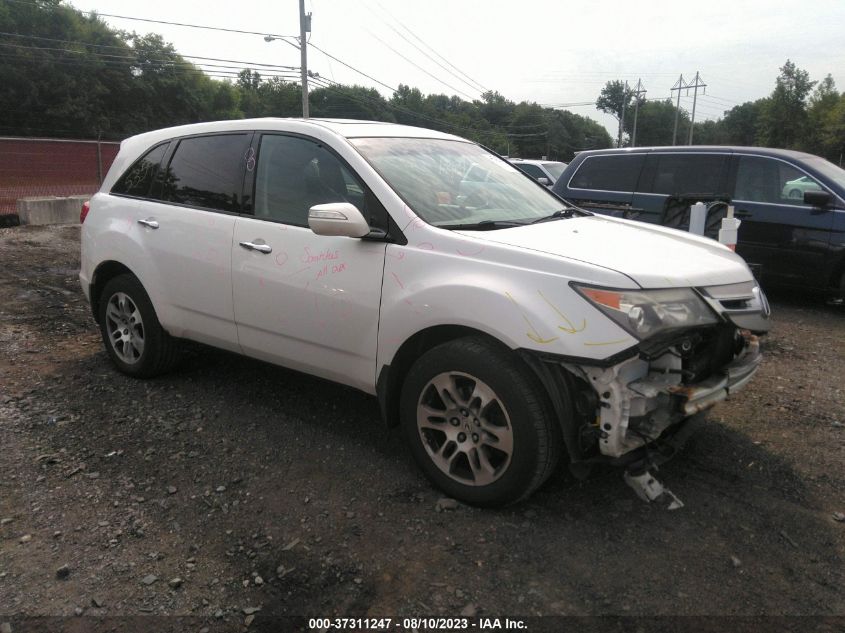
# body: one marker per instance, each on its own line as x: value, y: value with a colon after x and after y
x: 136, y: 180
x: 608, y: 173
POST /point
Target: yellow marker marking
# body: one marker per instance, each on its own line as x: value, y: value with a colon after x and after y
x: 624, y: 340
x: 571, y: 329
x: 534, y: 335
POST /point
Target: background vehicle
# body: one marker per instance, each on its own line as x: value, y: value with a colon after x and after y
x: 795, y: 189
x: 545, y: 171
x: 496, y: 327
x: 792, y: 205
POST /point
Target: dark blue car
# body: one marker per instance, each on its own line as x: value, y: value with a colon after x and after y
x: 792, y: 205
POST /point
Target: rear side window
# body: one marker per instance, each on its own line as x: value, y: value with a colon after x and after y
x: 609, y: 173
x: 690, y: 173
x: 137, y: 179
x: 207, y: 172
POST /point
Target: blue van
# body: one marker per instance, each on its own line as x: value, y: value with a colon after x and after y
x: 792, y: 204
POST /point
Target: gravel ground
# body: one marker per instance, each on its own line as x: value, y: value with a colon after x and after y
x: 231, y: 485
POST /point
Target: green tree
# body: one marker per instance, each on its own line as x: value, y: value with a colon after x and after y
x: 613, y: 98
x: 822, y: 104
x: 656, y: 123
x: 783, y: 120
x: 739, y: 125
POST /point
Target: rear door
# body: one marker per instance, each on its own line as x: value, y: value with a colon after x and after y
x: 789, y: 239
x: 302, y: 300
x: 188, y: 234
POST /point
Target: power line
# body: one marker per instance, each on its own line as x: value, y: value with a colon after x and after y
x: 416, y: 37
x: 362, y: 73
x: 182, y: 24
x: 417, y: 66
x: 130, y: 49
x: 392, y: 28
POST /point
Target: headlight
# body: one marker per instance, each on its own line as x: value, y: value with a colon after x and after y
x: 645, y: 313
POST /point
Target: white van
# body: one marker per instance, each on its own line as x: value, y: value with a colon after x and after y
x: 500, y: 329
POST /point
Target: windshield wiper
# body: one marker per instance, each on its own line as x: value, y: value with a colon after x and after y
x: 483, y: 225
x: 557, y: 215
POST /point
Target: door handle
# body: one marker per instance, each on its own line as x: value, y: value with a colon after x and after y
x: 261, y: 248
x: 742, y: 214
x: 149, y: 222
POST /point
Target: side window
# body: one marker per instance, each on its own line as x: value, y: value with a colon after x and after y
x: 137, y: 179
x: 690, y: 173
x: 207, y: 171
x: 532, y: 170
x: 760, y: 179
x: 609, y: 173
x: 294, y: 174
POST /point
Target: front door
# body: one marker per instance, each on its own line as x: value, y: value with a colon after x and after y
x: 787, y: 238
x: 301, y: 300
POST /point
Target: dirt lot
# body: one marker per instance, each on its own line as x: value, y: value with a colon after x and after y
x: 231, y: 484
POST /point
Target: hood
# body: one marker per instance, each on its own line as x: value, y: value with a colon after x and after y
x: 653, y: 256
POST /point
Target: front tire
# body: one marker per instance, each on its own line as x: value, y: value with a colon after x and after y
x: 132, y: 334
x: 479, y: 423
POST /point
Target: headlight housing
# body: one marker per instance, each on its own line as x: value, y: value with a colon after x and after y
x: 646, y: 313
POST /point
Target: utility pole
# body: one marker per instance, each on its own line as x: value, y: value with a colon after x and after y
x: 622, y: 115
x: 679, y: 85
x: 640, y: 90
x: 304, y: 27
x: 698, y: 84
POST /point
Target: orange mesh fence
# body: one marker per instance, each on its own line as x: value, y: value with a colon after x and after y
x: 51, y: 167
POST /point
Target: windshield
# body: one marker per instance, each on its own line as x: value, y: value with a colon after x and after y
x: 555, y: 169
x: 836, y: 174
x: 454, y: 182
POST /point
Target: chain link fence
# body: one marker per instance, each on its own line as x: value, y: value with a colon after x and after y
x: 50, y: 167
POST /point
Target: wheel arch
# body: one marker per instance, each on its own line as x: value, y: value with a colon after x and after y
x: 105, y: 272
x: 391, y: 377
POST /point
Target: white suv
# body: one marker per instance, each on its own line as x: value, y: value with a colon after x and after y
x: 500, y: 329
x: 546, y: 172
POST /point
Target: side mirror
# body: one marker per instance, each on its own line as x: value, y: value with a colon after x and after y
x: 337, y: 218
x: 821, y: 199
x: 544, y: 181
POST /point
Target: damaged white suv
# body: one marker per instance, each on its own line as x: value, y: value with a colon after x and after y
x: 499, y: 328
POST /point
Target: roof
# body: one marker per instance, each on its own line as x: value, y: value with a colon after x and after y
x: 534, y: 161
x: 701, y: 149
x: 347, y: 128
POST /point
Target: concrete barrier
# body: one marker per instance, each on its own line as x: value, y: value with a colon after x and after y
x: 50, y: 210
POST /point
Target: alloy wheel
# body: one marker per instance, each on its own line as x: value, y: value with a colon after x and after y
x: 465, y: 428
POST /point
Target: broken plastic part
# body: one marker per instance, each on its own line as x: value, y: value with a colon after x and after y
x: 649, y: 489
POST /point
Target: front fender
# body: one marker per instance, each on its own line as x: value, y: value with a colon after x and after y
x: 522, y: 307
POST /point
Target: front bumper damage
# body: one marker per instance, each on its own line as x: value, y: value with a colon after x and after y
x: 640, y: 399
x: 639, y: 412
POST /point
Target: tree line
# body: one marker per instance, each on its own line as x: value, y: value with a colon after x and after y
x: 68, y: 74
x: 799, y: 114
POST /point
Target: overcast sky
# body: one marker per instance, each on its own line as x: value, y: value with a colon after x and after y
x: 550, y: 52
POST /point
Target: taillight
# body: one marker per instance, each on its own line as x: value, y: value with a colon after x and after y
x: 86, y: 207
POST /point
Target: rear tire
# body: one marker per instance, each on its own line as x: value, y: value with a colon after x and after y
x: 132, y: 334
x: 479, y: 423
